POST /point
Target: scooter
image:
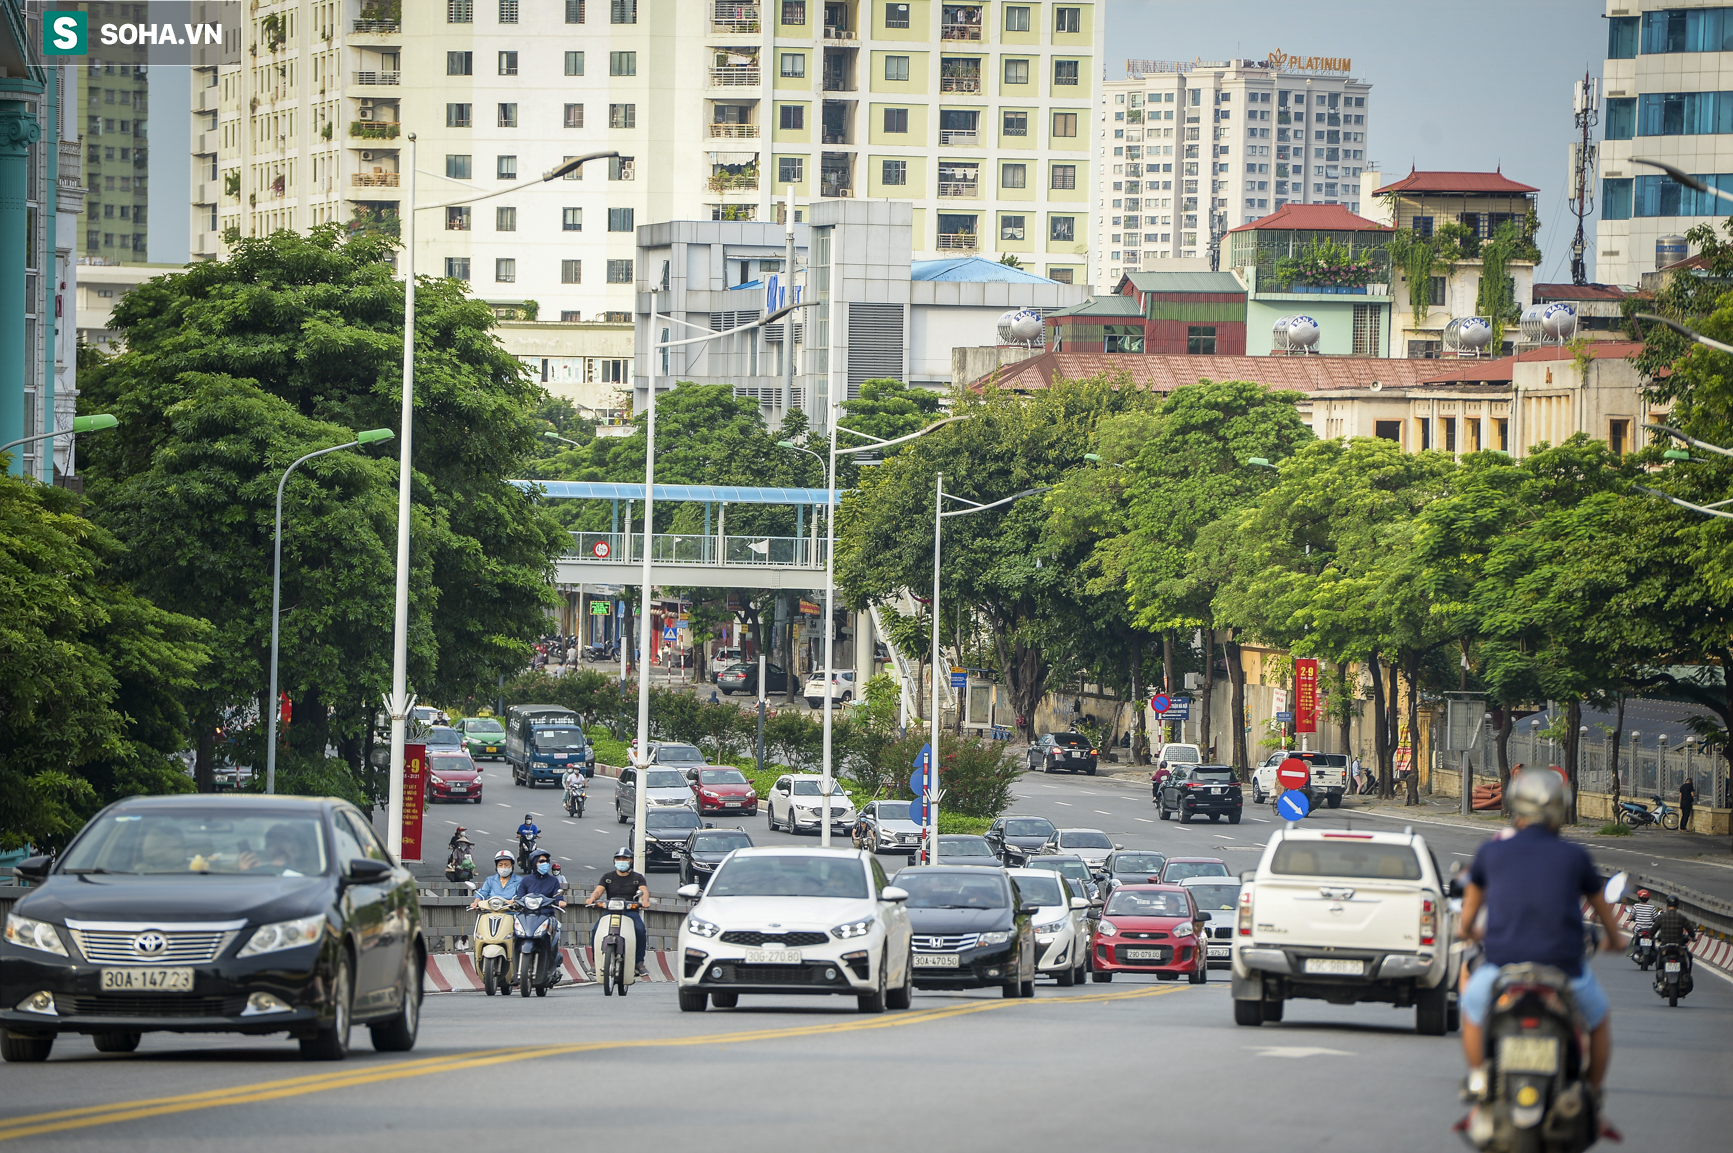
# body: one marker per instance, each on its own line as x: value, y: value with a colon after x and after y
x: 460, y: 865
x: 494, y: 945
x: 535, y: 936
x: 526, y: 847
x: 1642, y: 949
x: 575, y: 798
x: 1673, y: 973
x: 616, y: 946
x: 1639, y: 816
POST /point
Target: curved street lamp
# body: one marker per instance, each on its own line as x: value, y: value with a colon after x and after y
x: 93, y: 423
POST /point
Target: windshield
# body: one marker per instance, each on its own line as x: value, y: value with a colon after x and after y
x: 810, y: 789
x: 893, y: 810
x: 1148, y: 864
x: 236, y: 841
x: 1346, y: 859
x: 443, y: 736
x: 978, y: 889
x: 779, y: 876
x: 665, y: 779
x: 450, y: 763
x: 1173, y: 754
x: 678, y: 755
x: 1029, y: 827
x: 1216, y: 898
x: 1084, y: 839
x: 1180, y: 870
x: 1040, y: 890
x: 558, y: 738
x: 964, y: 847
x: 1144, y: 903
x: 1074, y: 870
x: 1071, y: 740
x: 721, y: 842
x: 1213, y: 773
x: 721, y: 777
x: 484, y: 725
x: 663, y: 822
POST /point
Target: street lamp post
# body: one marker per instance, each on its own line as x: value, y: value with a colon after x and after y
x: 93, y: 423
x: 397, y: 703
x: 368, y: 437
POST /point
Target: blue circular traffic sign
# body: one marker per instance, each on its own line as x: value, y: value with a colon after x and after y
x: 918, y: 811
x: 918, y: 783
x: 1160, y: 703
x: 1293, y: 805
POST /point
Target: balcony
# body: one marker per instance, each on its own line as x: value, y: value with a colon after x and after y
x: 959, y: 84
x: 833, y: 32
x: 734, y: 78
x: 960, y: 137
x: 959, y: 32
x: 374, y: 179
x: 378, y: 27
x: 726, y: 182
x: 726, y: 17
x: 378, y: 78
x: 958, y: 241
x: 205, y: 143
x: 959, y: 189
x: 734, y: 132
x: 374, y: 129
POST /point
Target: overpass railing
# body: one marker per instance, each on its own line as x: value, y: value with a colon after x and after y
x: 699, y: 549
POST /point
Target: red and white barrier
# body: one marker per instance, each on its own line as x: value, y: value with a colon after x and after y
x: 455, y: 972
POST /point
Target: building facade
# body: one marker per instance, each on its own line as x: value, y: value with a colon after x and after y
x: 1667, y: 94
x: 1320, y: 261
x: 113, y: 96
x: 977, y: 114
x: 1189, y: 150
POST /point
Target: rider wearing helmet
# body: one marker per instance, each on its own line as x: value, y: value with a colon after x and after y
x: 540, y: 880
x: 501, y: 884
x: 626, y: 885
x: 1531, y: 886
x: 1671, y: 928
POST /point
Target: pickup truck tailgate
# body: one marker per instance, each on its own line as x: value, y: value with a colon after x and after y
x: 1325, y: 777
x: 1325, y: 913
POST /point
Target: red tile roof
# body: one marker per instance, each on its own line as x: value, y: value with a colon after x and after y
x: 1502, y: 369
x: 1477, y: 183
x: 1309, y: 374
x: 1550, y: 292
x: 1308, y: 217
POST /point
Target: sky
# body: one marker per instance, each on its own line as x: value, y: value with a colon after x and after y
x: 1472, y: 85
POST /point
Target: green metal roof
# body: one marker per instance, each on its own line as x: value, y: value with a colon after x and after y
x: 1100, y: 306
x: 1185, y: 282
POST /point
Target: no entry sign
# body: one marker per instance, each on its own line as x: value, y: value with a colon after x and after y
x: 1293, y: 773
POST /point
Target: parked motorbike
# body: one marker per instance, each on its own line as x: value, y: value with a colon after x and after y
x: 535, y: 936
x: 1638, y: 816
x: 1673, y: 973
x: 1642, y: 948
x: 494, y: 945
x: 460, y: 865
x: 616, y: 946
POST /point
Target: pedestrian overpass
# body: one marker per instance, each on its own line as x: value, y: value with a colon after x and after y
x: 712, y: 558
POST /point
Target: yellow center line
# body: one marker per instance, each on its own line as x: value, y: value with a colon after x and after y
x: 86, y: 1117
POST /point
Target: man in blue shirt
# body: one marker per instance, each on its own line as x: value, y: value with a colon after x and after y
x: 501, y: 884
x: 1532, y: 886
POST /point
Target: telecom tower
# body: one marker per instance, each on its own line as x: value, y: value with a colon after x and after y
x: 1586, y: 101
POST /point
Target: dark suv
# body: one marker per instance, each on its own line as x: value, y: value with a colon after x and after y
x: 1070, y: 752
x: 1202, y: 790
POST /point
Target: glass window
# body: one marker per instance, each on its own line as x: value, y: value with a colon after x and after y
x: 622, y: 116
x: 1068, y: 20
x: 459, y: 63
x: 621, y: 167
x: 1016, y: 72
x: 457, y: 115
x: 1065, y: 72
x: 1621, y: 118
x: 460, y: 11
x: 896, y: 67
x: 794, y: 11
x: 508, y: 63
x: 622, y: 11
x: 194, y: 842
x: 1146, y: 903
x: 576, y: 173
x: 1200, y: 340
x: 1016, y: 124
x: 792, y: 117
x: 1064, y: 176
x: 508, y: 115
x: 622, y: 64
x: 508, y: 11
x: 574, y: 116
x: 457, y: 167
x: 896, y: 15
x: 1065, y: 124
x: 574, y: 64
x: 619, y: 272
x: 1622, y: 38
x: 571, y: 219
x: 954, y: 889
x: 571, y: 271
x: 620, y: 219
x: 1616, y: 199
x: 574, y: 11
x: 896, y: 120
x: 895, y: 172
x: 505, y: 270
x: 1014, y: 176
x: 786, y: 876
x: 1682, y: 114
x: 1346, y: 858
x: 505, y: 168
x: 505, y: 220
x: 1685, y: 30
x: 457, y: 268
x: 790, y: 169
x: 1016, y: 18
x: 1043, y: 891
x: 794, y: 64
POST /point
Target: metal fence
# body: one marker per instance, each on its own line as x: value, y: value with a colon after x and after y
x: 1643, y: 771
x: 700, y: 549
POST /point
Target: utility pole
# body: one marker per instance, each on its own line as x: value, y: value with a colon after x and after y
x: 1585, y: 101
x: 788, y: 322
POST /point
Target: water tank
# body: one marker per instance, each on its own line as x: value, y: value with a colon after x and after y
x: 1670, y: 250
x: 1295, y: 333
x: 1020, y: 326
x: 1548, y: 323
x: 1467, y: 334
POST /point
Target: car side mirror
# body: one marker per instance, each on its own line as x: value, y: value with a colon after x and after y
x: 32, y: 868
x: 365, y: 870
x: 1248, y: 876
x: 893, y: 893
x: 709, y: 824
x: 1029, y: 907
x: 691, y: 892
x: 1080, y: 902
x: 1119, y: 846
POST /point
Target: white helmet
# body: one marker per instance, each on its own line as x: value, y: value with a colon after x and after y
x: 1539, y: 795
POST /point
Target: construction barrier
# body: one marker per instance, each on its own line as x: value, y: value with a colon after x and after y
x: 455, y: 972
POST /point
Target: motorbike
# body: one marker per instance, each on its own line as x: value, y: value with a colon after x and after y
x: 1642, y: 949
x: 460, y: 865
x: 575, y: 798
x: 1535, y: 1098
x: 1639, y: 816
x: 616, y: 946
x: 602, y: 651
x: 1673, y: 973
x: 535, y: 937
x: 526, y: 847
x: 494, y: 945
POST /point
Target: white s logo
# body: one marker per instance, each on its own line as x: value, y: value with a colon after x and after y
x: 65, y: 32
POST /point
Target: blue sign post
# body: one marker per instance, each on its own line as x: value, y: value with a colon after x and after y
x: 1293, y: 805
x: 1178, y: 709
x: 959, y: 679
x: 1285, y: 718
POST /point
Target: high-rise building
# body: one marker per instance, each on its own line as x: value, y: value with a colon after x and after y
x: 112, y: 101
x: 1663, y: 99
x: 976, y: 113
x: 1188, y: 150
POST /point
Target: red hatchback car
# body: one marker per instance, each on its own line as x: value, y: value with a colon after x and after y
x: 1149, y: 929
x: 725, y: 791
x: 453, y: 777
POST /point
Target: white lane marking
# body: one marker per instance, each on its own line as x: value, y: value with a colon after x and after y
x: 565, y: 858
x: 1224, y: 836
x: 1104, y: 812
x: 590, y: 867
x: 1462, y: 854
x: 1260, y: 820
x: 1297, y: 1051
x: 1055, y: 788
x: 503, y: 805
x: 1067, y: 804
x: 1145, y: 820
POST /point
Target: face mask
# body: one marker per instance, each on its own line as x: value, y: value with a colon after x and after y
x: 505, y: 870
x: 542, y: 868
x: 623, y: 866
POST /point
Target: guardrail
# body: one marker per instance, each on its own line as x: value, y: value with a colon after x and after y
x: 675, y: 548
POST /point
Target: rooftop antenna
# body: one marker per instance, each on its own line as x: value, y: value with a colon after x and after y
x: 1585, y: 102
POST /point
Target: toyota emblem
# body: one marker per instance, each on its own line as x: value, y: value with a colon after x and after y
x: 149, y: 944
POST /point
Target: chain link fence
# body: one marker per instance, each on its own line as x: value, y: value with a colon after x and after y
x: 1645, y: 771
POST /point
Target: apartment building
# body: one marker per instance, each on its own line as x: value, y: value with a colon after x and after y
x: 113, y: 98
x: 1277, y: 133
x: 1667, y: 94
x: 976, y: 113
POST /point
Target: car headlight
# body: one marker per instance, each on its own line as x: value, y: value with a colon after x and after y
x: 1183, y: 929
x: 285, y: 935
x: 30, y: 934
x: 436, y: 780
x: 1106, y: 928
x: 994, y: 938
x: 806, y: 808
x: 853, y: 929
x: 702, y: 927
x: 539, y: 765
x: 1051, y: 926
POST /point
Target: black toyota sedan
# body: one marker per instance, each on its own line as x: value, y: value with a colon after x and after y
x: 971, y: 929
x: 204, y: 914
x: 1015, y: 839
x: 665, y: 833
x: 704, y: 849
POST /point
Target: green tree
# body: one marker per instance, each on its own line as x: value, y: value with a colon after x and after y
x: 888, y: 409
x: 89, y: 673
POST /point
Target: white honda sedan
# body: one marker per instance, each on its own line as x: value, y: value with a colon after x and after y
x: 1061, y: 937
x: 787, y: 920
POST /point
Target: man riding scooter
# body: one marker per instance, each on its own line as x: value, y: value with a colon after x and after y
x: 573, y: 782
x: 626, y: 885
x: 527, y: 835
x: 538, y: 929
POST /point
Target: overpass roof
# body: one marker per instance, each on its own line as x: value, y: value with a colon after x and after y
x: 722, y: 493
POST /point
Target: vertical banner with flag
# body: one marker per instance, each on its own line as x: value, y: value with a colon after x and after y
x: 1305, y: 695
x: 414, y: 792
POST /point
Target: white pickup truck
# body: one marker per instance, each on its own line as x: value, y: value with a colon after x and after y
x: 1345, y: 917
x: 1329, y: 776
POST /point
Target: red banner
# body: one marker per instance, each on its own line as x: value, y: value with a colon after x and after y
x: 1305, y: 695
x: 414, y: 795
